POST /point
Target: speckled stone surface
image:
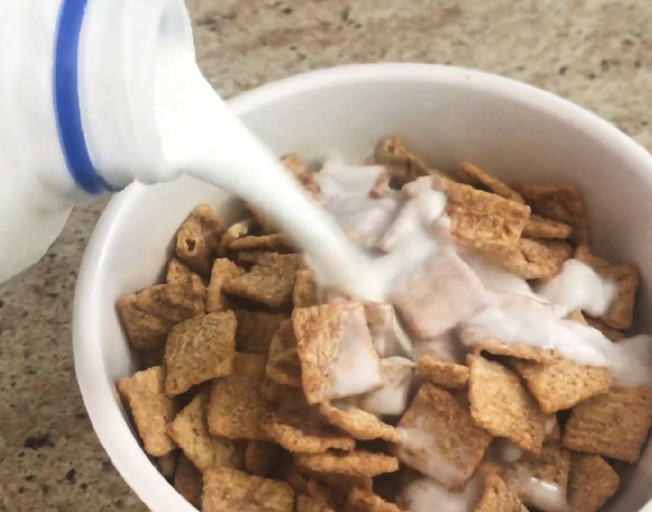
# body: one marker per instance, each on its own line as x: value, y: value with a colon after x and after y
x: 594, y: 52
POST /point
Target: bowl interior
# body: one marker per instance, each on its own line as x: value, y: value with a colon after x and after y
x: 448, y: 116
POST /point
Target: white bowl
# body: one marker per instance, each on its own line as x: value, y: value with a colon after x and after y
x: 448, y: 115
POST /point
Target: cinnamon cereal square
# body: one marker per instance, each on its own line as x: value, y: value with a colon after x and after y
x: 472, y: 175
x: 255, y: 330
x: 223, y: 270
x: 496, y: 497
x: 199, y: 238
x: 356, y: 463
x: 592, y: 482
x: 358, y: 423
x: 538, y: 227
x: 446, y: 375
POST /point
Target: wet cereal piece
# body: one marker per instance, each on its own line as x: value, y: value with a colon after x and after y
x: 592, y: 482
x: 496, y: 497
x: 562, y: 203
x: 283, y: 364
x: 149, y: 315
x: 255, y: 330
x: 270, y: 281
x: 234, y: 232
x: 446, y: 375
x: 476, y: 177
x: 482, y: 343
x: 440, y: 439
x: 260, y: 457
x: 360, y: 424
x: 436, y: 298
x: 393, y: 397
x: 386, y: 332
x: 560, y: 385
x: 223, y: 271
x: 188, y: 482
x: 190, y: 431
x: 336, y: 351
x: 479, y: 217
x: 306, y: 504
x: 198, y: 239
x: 177, y: 272
x: 613, y: 425
x: 538, y: 227
x: 229, y: 490
x: 403, y: 166
x: 304, y: 294
x: 274, y: 243
x: 501, y: 404
x: 151, y: 408
x: 303, y: 430
x: 621, y: 311
x: 608, y: 331
x: 365, y: 501
x: 198, y: 350
x: 237, y: 408
x: 167, y: 463
x: 357, y: 463
x: 530, y: 259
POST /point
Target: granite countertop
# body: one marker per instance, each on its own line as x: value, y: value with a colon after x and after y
x: 593, y: 52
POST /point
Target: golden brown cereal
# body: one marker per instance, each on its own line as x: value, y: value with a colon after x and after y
x: 496, y: 497
x: 270, y: 281
x: 357, y: 463
x: 302, y: 430
x: 613, y: 425
x: 440, y: 439
x: 341, y: 485
x: 403, y: 166
x: 188, y: 482
x: 333, y: 340
x: 230, y: 490
x: 562, y: 203
x: 152, y: 410
x: 237, y: 409
x: 608, y: 331
x: 190, y: 431
x: 256, y: 330
x: 560, y: 385
x: 501, y: 404
x: 198, y: 350
x: 538, y: 227
x: 274, y: 243
x: 493, y: 346
x: 446, y: 375
x: 149, y: 315
x: 476, y: 177
x: 283, y: 364
x: 592, y: 482
x: 261, y: 457
x: 235, y: 231
x: 360, y: 424
x: 167, y: 464
x: 306, y: 504
x: 366, y: 501
x: 321, y: 493
x: 223, y: 270
x: 199, y: 238
x: 177, y: 272
x: 305, y: 289
x: 621, y: 311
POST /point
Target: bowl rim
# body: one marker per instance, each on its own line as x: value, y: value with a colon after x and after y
x: 98, y: 392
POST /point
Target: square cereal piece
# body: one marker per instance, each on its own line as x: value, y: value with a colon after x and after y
x: 480, y: 342
x: 337, y: 354
x: 611, y: 333
x: 501, y: 404
x: 304, y: 294
x: 149, y: 315
x: 592, y: 482
x: 283, y: 364
x: 273, y: 243
x: 562, y: 384
x: 199, y: 238
x: 167, y: 464
x: 234, y: 232
x: 188, y: 482
x: 479, y: 217
x: 237, y: 409
x: 403, y: 166
x: 496, y: 497
x: 151, y: 408
x: 621, y: 311
x: 562, y: 203
x: 270, y: 281
x: 177, y: 272
x: 357, y: 463
x: 261, y: 457
x: 446, y: 375
x: 613, y: 425
x: 476, y: 177
x: 198, y: 350
x: 360, y: 424
x: 538, y: 227
x: 440, y: 295
x: 366, y: 501
x: 230, y: 490
x: 303, y: 430
x: 306, y: 504
x: 223, y: 270
x: 440, y: 439
x: 256, y: 330
x: 190, y: 431
x: 392, y: 398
